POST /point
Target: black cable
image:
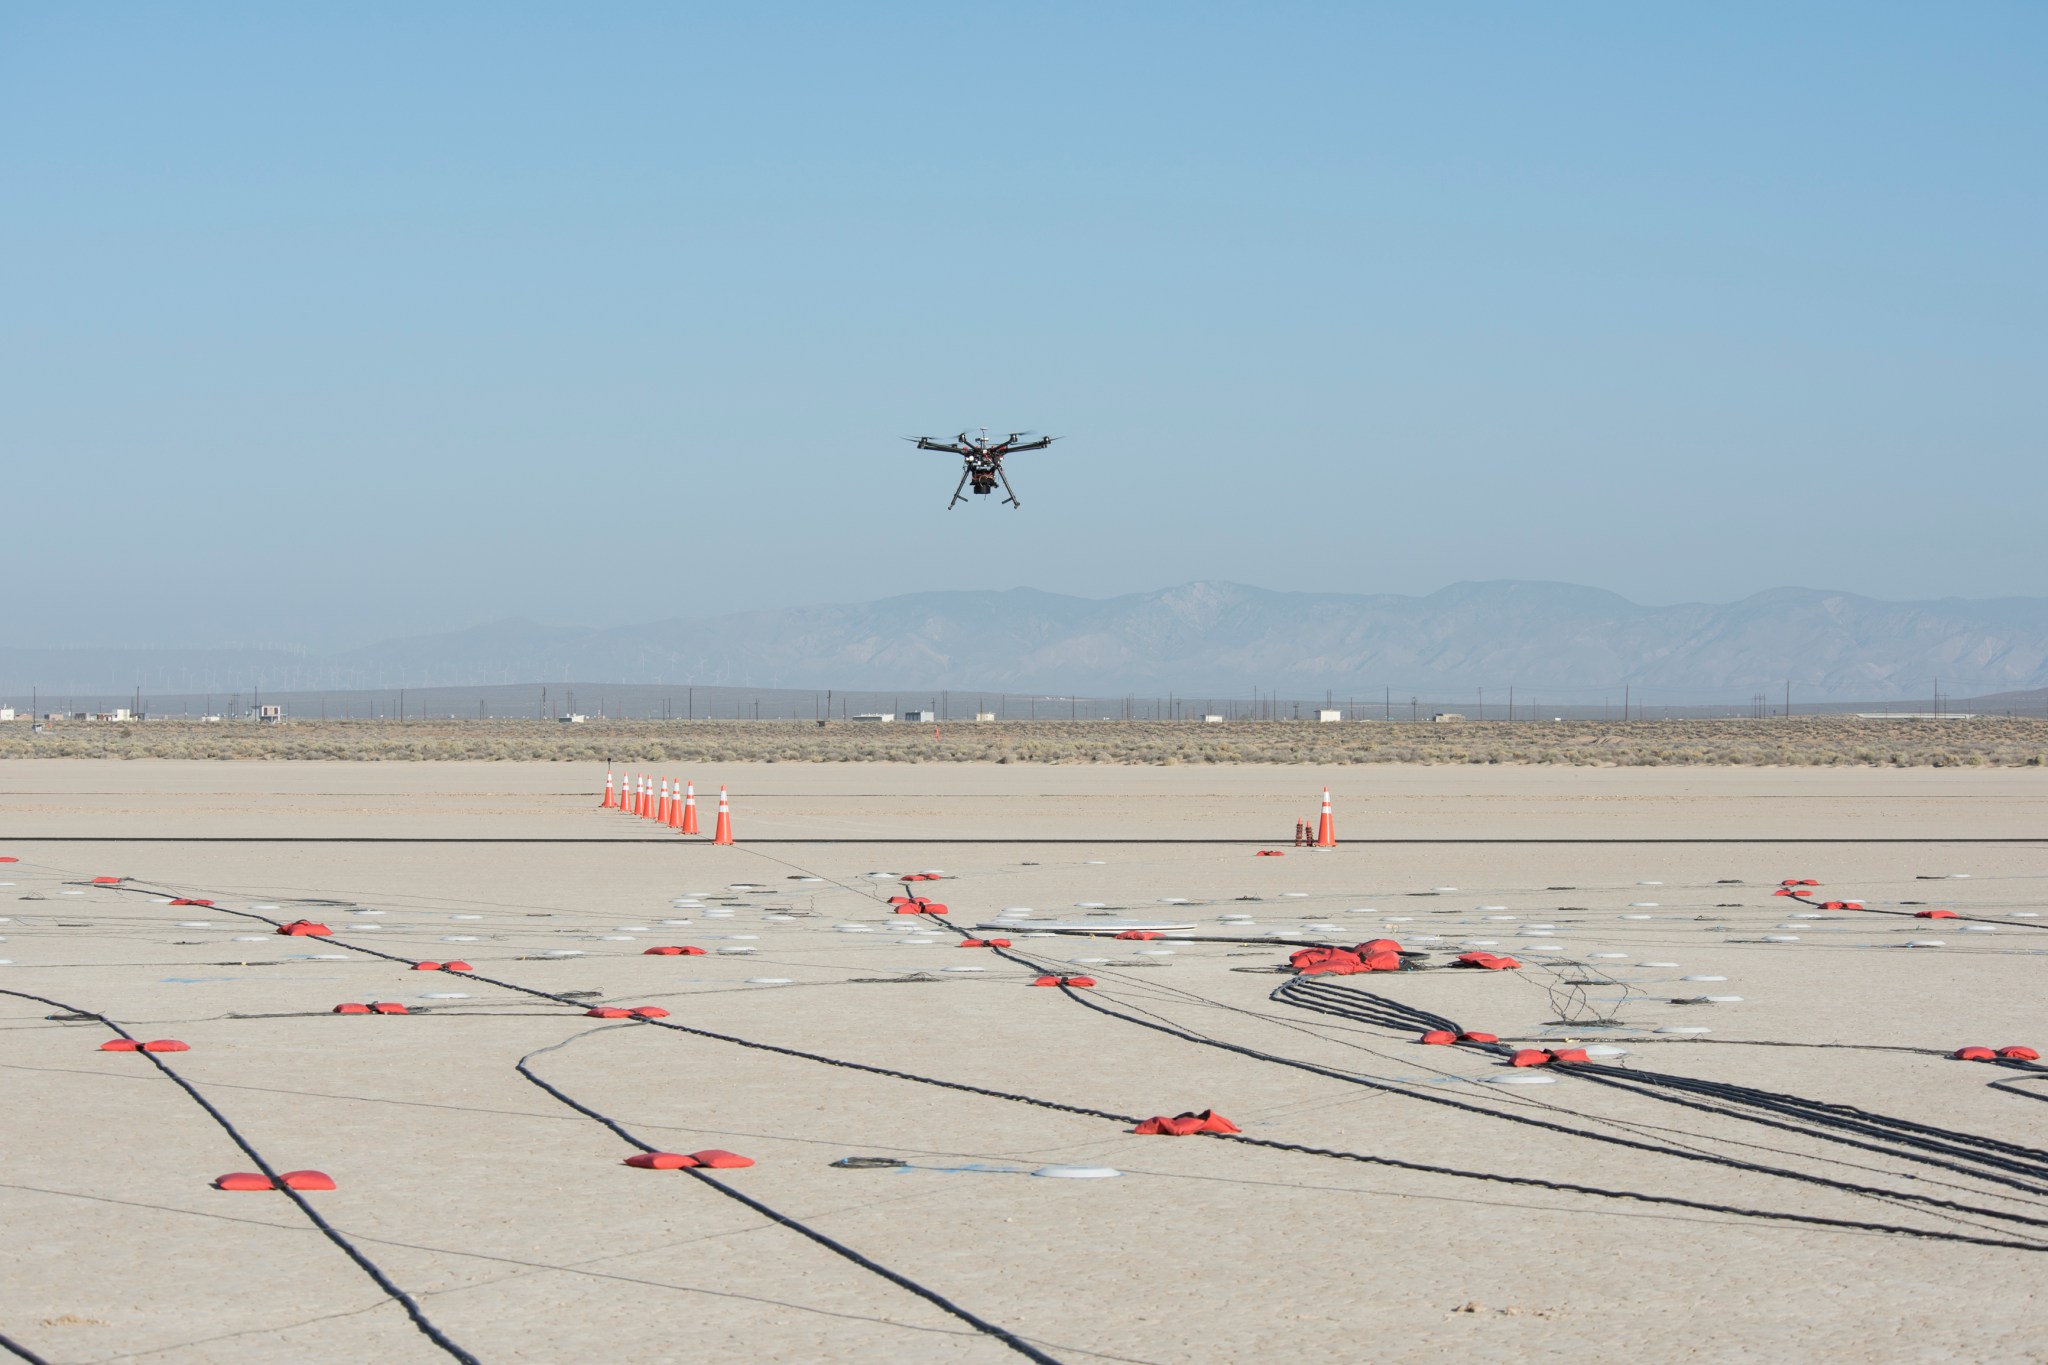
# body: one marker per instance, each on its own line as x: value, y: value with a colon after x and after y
x: 13, y: 1347
x: 348, y: 1248
x: 1635, y: 1144
x: 1632, y: 1195
x: 931, y: 1296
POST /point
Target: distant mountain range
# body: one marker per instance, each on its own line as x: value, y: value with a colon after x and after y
x: 1200, y: 639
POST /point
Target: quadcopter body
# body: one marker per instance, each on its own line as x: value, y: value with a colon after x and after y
x: 982, y: 460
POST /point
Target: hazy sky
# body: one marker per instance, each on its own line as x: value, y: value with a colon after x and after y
x: 318, y: 327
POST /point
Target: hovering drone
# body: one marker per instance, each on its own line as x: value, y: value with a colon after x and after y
x: 984, y: 460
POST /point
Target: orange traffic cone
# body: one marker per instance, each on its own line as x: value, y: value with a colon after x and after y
x: 640, y: 797
x: 1326, y: 832
x: 661, y: 811
x: 608, y: 802
x: 723, y: 834
x: 690, y: 808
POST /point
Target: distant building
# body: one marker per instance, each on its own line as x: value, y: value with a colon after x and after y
x: 878, y: 717
x: 1212, y: 720
x: 921, y: 717
x: 6, y: 713
x: 271, y: 715
x: 573, y: 718
x: 1443, y: 716
x: 1329, y: 717
x: 118, y: 714
x: 984, y: 715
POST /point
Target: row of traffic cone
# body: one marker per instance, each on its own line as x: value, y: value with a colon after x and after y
x: 1326, y: 829
x: 654, y: 799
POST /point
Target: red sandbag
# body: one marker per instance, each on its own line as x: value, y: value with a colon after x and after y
x: 456, y: 967
x: 660, y: 1161
x: 2017, y: 1053
x: 1084, y: 982
x: 1139, y: 933
x: 1569, y: 1054
x: 1269, y: 853
x: 649, y: 1012
x: 304, y: 928
x: 1783, y: 891
x: 1047, y: 981
x: 674, y: 951
x: 998, y: 943
x: 1530, y: 1056
x: 1934, y: 914
x: 1491, y: 962
x: 1383, y: 962
x: 426, y: 966
x: 1185, y: 1125
x: 1439, y: 1037
x: 605, y: 1012
x: 107, y: 881
x: 718, y: 1159
x: 352, y: 1009
x: 389, y: 1007
x: 244, y: 1180
x: 166, y: 1045
x: 899, y: 900
x: 1160, y: 1126
x: 1377, y: 945
x: 185, y: 901
x: 1974, y: 1054
x: 120, y: 1045
x: 307, y: 1180
x: 971, y: 943
x: 1469, y: 1037
x: 934, y: 908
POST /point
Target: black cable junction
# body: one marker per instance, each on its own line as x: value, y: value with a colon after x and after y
x: 1742, y: 1102
x: 333, y: 1234
x: 1563, y: 1187
x: 1660, y: 1149
x: 992, y: 1330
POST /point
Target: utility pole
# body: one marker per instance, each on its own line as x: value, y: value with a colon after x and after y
x: 1788, y: 698
x: 1511, y: 703
x: 1624, y: 703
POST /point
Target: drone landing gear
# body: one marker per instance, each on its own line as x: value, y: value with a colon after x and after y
x: 1012, y: 498
x: 956, y: 491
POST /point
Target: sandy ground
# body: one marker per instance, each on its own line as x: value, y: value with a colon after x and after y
x: 510, y: 1219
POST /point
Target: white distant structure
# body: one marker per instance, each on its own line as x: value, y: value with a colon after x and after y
x: 119, y: 714
x: 270, y: 715
x: 921, y: 717
x: 573, y: 718
x: 1916, y: 715
x: 878, y: 717
x: 1212, y: 720
x: 1447, y: 716
x: 6, y: 713
x: 984, y: 715
x: 1328, y: 717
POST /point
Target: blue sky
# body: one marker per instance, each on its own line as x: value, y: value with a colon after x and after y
x: 319, y: 326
